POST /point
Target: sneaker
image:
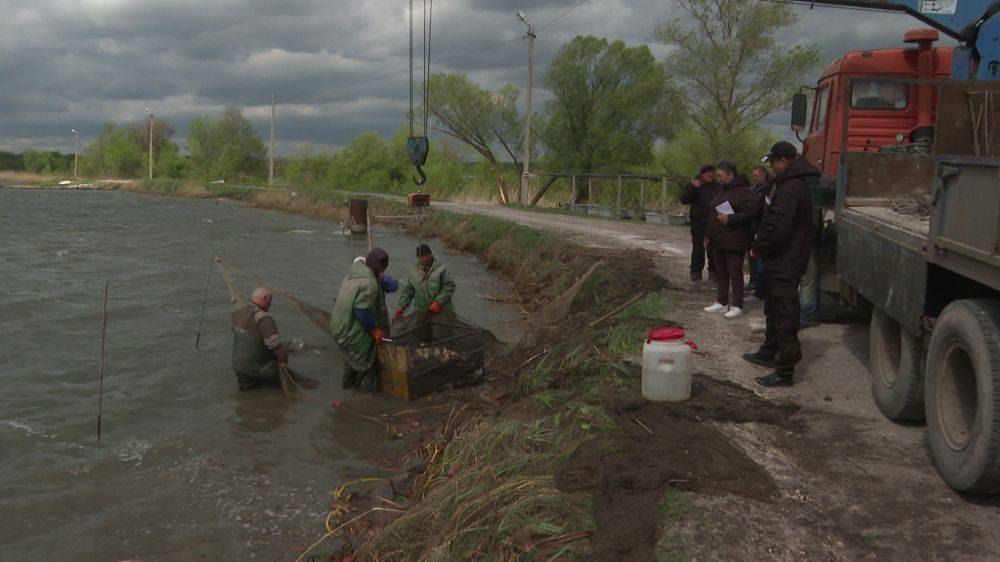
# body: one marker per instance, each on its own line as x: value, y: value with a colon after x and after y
x: 734, y: 312
x: 775, y: 380
x: 716, y: 307
x: 760, y: 360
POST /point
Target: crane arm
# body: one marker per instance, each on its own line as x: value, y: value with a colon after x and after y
x: 976, y: 23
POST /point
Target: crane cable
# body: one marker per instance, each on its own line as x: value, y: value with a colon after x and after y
x: 417, y: 147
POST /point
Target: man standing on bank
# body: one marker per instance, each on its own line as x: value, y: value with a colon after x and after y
x: 257, y: 349
x: 783, y: 243
x: 429, y: 287
x: 699, y: 194
x: 728, y: 238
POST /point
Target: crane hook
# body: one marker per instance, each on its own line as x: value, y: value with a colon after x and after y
x: 423, y: 176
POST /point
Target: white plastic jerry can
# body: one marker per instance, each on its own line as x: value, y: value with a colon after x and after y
x: 666, y: 365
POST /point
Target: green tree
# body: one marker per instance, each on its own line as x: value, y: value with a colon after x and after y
x: 308, y: 167
x: 733, y: 71
x: 226, y: 147
x: 611, y: 102
x: 477, y: 117
x: 363, y: 164
x: 113, y: 154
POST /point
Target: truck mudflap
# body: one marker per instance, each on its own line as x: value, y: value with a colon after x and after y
x: 884, y: 265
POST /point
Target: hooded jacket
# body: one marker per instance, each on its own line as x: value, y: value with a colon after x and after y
x: 359, y: 291
x: 783, y: 238
x: 426, y: 286
x: 700, y: 198
x: 735, y: 234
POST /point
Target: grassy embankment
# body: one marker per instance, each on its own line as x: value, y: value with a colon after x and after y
x: 487, y: 482
x: 30, y: 178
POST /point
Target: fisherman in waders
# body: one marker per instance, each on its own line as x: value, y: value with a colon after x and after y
x: 429, y: 287
x: 257, y: 349
x: 360, y: 318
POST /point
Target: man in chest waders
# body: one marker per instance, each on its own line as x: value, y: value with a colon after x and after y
x: 429, y: 287
x: 257, y: 349
x: 360, y: 317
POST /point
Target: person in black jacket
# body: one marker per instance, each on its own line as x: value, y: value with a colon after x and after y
x: 728, y: 238
x: 699, y: 194
x: 783, y: 242
x: 758, y: 279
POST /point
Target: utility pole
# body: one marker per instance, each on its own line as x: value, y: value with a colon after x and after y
x: 150, y: 112
x: 76, y: 152
x: 522, y: 194
x: 270, y: 151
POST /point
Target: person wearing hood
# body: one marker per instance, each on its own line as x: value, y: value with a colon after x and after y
x: 429, y: 287
x: 698, y: 194
x: 360, y: 318
x: 728, y: 238
x: 783, y: 242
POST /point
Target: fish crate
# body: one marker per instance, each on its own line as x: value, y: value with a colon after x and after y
x: 427, y: 354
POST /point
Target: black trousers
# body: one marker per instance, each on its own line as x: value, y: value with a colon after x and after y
x: 729, y: 276
x: 698, y: 254
x: 781, y: 335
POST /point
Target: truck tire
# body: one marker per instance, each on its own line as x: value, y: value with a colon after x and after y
x: 896, y: 358
x: 963, y: 395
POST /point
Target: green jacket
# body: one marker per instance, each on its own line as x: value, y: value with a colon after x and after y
x: 359, y: 290
x: 423, y: 287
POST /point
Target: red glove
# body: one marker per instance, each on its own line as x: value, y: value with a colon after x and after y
x: 378, y: 336
x: 435, y: 307
x: 399, y: 312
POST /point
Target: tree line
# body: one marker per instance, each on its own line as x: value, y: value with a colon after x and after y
x: 613, y: 108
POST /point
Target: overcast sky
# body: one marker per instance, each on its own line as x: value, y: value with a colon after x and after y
x: 337, y: 67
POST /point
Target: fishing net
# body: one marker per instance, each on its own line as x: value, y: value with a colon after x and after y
x: 425, y: 352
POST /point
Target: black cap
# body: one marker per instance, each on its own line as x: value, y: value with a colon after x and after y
x: 781, y: 149
x: 424, y: 250
x: 706, y: 168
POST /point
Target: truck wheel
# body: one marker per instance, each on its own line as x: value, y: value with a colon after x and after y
x: 897, y: 379
x: 963, y: 395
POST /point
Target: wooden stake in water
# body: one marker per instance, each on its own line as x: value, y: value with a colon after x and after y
x: 204, y: 299
x: 100, y: 375
x: 368, y: 219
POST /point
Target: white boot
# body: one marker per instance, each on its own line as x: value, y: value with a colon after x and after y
x: 716, y: 307
x: 734, y: 312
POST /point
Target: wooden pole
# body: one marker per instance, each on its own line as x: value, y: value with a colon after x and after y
x: 618, y: 205
x: 368, y: 221
x: 100, y: 372
x: 590, y: 190
x: 150, y: 145
x: 270, y: 167
x: 663, y: 196
x: 642, y: 199
x: 573, y: 197
x: 204, y: 299
x: 522, y: 193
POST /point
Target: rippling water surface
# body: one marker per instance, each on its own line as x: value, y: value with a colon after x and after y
x: 188, y: 468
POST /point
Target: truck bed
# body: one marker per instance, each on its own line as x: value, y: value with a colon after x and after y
x: 909, y: 223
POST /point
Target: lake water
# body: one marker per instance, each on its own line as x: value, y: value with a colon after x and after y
x: 188, y: 468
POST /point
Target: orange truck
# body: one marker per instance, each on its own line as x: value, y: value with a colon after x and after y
x: 908, y: 140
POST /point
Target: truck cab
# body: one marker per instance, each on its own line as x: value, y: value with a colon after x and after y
x: 878, y: 113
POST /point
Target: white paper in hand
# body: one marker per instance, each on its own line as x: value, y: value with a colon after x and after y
x: 725, y: 208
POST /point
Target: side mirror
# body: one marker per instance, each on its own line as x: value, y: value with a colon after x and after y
x: 800, y: 107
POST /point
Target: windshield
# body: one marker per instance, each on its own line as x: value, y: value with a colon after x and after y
x: 878, y: 95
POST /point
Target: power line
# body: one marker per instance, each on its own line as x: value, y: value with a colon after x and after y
x: 564, y: 14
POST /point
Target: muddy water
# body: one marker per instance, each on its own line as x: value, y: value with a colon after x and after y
x: 188, y: 468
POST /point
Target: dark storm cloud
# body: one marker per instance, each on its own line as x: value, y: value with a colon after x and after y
x: 337, y: 67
